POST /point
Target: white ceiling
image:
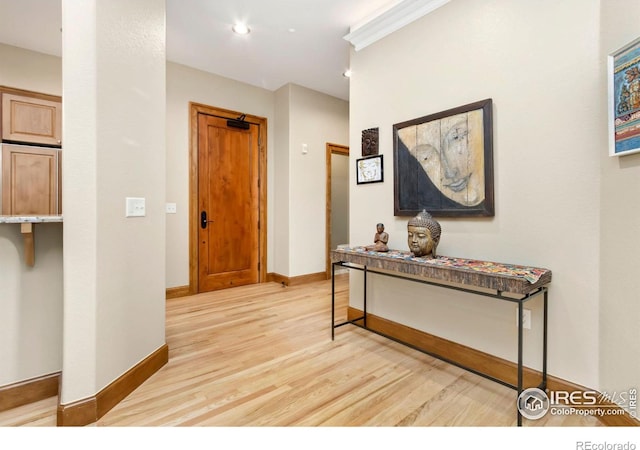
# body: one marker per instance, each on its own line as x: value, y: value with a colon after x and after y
x: 199, y: 35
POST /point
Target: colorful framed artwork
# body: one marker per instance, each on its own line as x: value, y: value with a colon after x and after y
x: 369, y: 170
x: 624, y: 100
x: 443, y: 163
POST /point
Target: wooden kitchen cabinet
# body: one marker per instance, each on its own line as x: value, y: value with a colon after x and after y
x: 31, y: 180
x: 31, y: 117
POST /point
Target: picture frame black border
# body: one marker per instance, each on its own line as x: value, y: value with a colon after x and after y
x: 381, y: 170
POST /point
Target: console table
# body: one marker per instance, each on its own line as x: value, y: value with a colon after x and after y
x: 508, y: 282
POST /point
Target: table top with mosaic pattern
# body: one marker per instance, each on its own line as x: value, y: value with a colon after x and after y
x: 502, y: 277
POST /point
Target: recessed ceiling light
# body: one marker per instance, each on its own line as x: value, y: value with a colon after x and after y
x: 347, y: 73
x: 240, y: 28
x: 291, y: 30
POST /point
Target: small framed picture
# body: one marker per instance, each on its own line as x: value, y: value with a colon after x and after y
x: 369, y: 170
x: 624, y: 100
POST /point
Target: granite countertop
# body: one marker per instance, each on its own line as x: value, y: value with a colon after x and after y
x: 30, y: 219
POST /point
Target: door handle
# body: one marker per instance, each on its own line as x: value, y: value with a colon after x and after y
x: 203, y: 220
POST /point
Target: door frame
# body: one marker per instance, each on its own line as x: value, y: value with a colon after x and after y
x: 341, y: 150
x: 194, y: 110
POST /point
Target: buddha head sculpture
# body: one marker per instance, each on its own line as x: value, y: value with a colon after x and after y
x: 423, y: 235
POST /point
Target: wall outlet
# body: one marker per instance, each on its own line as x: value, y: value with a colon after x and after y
x: 526, y: 318
x: 171, y: 208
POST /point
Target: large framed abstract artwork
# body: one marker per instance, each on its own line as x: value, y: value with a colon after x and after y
x: 624, y: 100
x: 443, y: 163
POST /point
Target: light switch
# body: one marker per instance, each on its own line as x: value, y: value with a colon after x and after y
x: 171, y: 208
x: 135, y: 207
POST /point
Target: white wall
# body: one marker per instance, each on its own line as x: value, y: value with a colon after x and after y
x: 539, y: 63
x: 33, y: 71
x: 186, y: 85
x: 30, y: 297
x: 282, y: 198
x: 620, y: 219
x: 315, y: 119
x: 115, y: 147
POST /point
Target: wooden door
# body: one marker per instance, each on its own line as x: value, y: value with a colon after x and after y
x: 228, y: 204
x: 30, y: 180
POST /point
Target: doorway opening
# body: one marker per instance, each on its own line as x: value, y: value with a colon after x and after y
x: 337, y: 226
x: 227, y: 199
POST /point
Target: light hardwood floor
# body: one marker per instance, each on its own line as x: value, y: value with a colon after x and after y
x: 262, y: 355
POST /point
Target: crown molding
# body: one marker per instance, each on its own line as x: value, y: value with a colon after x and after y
x: 391, y: 20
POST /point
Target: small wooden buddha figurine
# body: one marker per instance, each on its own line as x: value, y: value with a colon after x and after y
x: 380, y: 240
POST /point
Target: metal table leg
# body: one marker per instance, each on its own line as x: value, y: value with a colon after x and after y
x: 520, y: 339
x: 365, y: 297
x: 333, y: 300
x: 544, y: 340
